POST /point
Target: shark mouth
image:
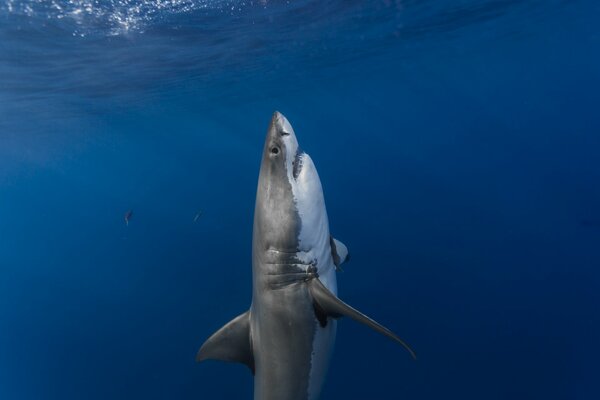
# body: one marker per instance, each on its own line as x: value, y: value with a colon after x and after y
x: 297, y: 163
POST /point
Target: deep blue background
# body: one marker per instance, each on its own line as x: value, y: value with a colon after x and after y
x: 458, y: 143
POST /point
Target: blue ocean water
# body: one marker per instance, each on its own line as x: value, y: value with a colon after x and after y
x: 458, y: 143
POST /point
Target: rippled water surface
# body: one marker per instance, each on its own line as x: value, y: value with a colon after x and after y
x: 457, y: 142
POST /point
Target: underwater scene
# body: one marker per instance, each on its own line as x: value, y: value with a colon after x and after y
x: 158, y: 179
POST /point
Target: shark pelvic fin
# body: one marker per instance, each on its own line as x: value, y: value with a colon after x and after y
x: 230, y: 343
x: 334, y: 307
x: 339, y: 252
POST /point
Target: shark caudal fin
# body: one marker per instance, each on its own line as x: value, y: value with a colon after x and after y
x: 230, y: 343
x: 335, y: 308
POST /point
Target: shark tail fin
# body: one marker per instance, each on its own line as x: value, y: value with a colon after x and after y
x: 334, y: 307
x: 230, y: 343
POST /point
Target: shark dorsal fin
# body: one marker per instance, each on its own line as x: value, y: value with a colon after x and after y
x: 335, y: 308
x: 339, y: 252
x: 230, y: 343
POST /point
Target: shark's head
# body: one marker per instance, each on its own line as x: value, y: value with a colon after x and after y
x: 282, y: 156
x: 289, y: 200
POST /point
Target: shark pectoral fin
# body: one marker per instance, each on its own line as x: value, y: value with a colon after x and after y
x: 334, y: 307
x: 230, y: 343
x: 339, y: 252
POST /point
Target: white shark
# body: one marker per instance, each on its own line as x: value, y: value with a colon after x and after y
x: 287, y: 336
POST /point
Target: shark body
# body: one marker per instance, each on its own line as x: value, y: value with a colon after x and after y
x: 287, y: 336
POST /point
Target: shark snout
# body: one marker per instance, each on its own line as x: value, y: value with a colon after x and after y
x: 283, y: 125
x: 281, y: 138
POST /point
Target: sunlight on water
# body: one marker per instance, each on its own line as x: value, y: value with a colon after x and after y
x: 110, y: 17
x: 68, y: 56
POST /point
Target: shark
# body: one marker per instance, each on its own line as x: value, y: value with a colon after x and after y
x: 287, y: 335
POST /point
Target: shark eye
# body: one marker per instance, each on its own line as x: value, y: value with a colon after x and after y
x: 274, y: 150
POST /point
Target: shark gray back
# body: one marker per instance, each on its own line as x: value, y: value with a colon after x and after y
x: 287, y: 336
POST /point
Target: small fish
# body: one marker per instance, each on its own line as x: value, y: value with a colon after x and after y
x: 128, y: 216
x: 197, y: 216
